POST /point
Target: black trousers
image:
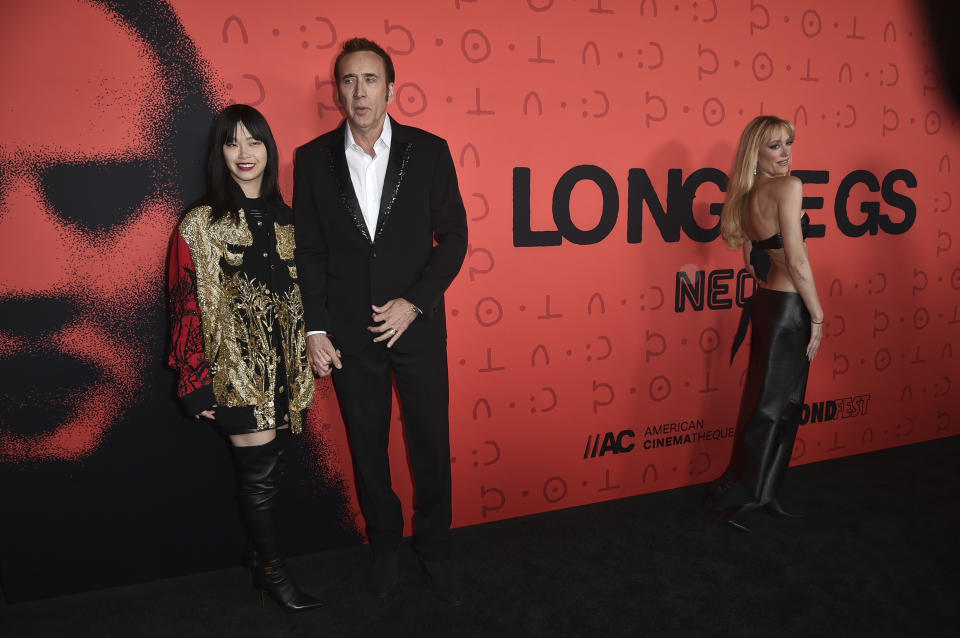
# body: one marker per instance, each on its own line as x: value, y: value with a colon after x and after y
x: 772, y: 403
x: 364, y: 390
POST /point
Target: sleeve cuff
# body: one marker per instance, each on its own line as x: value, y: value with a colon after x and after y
x: 199, y: 400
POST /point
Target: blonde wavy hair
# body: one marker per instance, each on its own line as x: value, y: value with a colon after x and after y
x: 742, y: 176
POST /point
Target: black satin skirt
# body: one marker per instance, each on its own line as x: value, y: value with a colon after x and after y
x: 770, y: 410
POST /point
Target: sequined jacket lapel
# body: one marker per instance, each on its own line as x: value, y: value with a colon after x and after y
x: 348, y: 197
x: 400, y: 152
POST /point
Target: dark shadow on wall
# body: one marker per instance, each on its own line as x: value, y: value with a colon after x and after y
x: 149, y: 493
x: 943, y: 16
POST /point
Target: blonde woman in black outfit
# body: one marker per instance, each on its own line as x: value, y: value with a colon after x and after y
x: 762, y: 216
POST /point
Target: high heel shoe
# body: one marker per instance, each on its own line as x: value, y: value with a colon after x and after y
x: 774, y: 508
x: 272, y: 579
x: 729, y: 516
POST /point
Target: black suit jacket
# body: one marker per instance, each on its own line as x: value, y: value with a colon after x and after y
x: 418, y: 248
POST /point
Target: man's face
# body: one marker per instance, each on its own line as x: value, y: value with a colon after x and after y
x: 364, y: 91
x: 83, y: 225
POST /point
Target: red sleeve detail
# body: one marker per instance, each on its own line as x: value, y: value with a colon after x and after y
x: 186, y: 338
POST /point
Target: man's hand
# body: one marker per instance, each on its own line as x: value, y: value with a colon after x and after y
x: 321, y: 355
x: 392, y: 318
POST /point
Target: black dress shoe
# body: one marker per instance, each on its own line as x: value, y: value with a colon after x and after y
x: 774, y: 508
x: 386, y: 572
x: 444, y: 581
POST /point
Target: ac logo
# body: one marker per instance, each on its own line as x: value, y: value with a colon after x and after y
x: 614, y: 443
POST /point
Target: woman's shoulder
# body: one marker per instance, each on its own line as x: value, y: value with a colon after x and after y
x: 784, y: 187
x: 199, y: 213
x: 782, y: 191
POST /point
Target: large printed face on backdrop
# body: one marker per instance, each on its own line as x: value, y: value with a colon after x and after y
x: 85, y: 211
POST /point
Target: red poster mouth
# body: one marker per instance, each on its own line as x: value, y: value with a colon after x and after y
x: 66, y: 390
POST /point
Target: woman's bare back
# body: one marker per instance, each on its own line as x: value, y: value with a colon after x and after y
x: 763, y: 221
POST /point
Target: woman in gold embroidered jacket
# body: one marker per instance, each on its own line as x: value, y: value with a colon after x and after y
x: 237, y: 326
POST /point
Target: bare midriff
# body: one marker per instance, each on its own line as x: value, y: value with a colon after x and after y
x: 779, y: 278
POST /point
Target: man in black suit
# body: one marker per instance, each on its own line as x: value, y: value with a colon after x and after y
x: 381, y: 232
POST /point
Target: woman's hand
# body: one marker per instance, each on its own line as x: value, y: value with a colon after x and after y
x: 816, y: 334
x: 207, y: 414
x: 321, y: 355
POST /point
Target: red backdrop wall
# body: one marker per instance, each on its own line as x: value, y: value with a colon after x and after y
x: 591, y: 325
x: 552, y: 347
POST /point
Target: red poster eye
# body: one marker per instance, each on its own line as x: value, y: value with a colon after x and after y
x: 88, y: 194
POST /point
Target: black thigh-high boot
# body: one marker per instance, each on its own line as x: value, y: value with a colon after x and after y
x: 250, y: 558
x: 258, y: 476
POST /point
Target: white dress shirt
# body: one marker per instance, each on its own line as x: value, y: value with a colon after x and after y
x: 368, y: 173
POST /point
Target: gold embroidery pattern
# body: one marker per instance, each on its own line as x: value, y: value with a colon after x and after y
x: 285, y: 243
x: 239, y: 316
x: 289, y: 311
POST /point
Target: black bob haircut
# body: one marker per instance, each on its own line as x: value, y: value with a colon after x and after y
x: 219, y: 180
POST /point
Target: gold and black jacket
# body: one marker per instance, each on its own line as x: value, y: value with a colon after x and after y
x: 236, y: 317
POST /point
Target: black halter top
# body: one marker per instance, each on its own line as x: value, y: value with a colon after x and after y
x: 760, y: 260
x: 761, y: 263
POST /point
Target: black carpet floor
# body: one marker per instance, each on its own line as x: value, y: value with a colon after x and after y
x: 877, y: 555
